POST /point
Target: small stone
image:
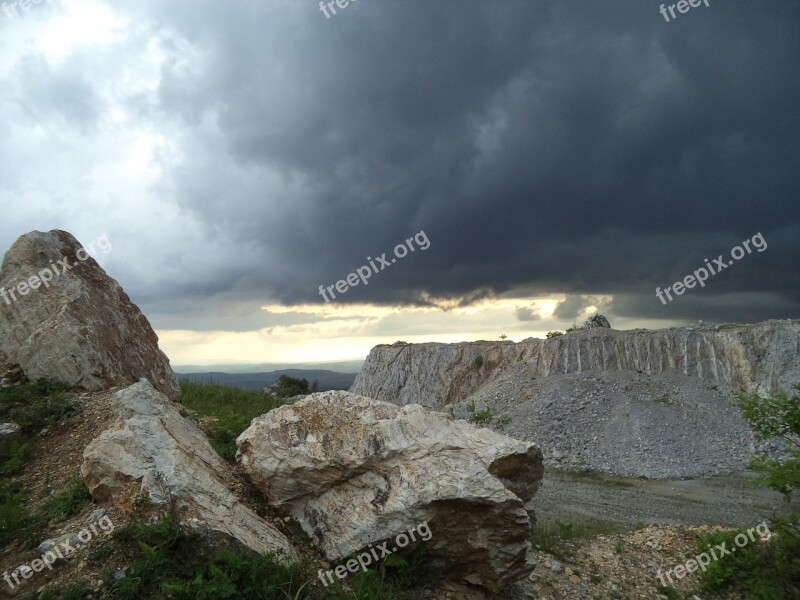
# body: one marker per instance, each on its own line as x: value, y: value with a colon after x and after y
x: 96, y: 515
x: 557, y: 567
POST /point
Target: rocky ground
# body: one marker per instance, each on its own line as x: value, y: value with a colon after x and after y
x: 55, y: 463
x: 603, y: 566
x: 623, y: 423
x: 619, y: 566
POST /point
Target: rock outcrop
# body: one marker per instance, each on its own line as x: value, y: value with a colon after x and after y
x: 596, y: 321
x: 79, y: 328
x: 354, y: 471
x: 153, y: 451
x: 759, y: 358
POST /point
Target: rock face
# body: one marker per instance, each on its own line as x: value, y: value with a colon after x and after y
x: 153, y: 450
x: 80, y: 327
x: 758, y: 358
x: 354, y: 471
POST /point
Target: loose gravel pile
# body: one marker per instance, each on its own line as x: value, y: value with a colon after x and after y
x: 624, y: 423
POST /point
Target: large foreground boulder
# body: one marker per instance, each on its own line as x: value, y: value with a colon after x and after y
x: 75, y: 325
x: 152, y: 452
x: 355, y: 471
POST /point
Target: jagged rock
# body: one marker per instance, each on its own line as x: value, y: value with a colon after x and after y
x: 80, y: 327
x: 153, y: 450
x: 596, y: 321
x: 354, y: 471
x: 759, y: 358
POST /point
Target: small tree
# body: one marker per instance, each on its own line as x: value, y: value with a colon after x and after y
x: 553, y: 334
x: 286, y: 387
x: 776, y: 417
x: 503, y: 336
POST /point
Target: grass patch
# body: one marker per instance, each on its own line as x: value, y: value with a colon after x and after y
x: 168, y: 562
x: 76, y: 591
x: 232, y: 410
x: 69, y: 502
x: 554, y: 537
x: 14, y: 457
x: 604, y: 479
x: 13, y: 511
x: 670, y: 592
x: 32, y: 406
x: 35, y: 405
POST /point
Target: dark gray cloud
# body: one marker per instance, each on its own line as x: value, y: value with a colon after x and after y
x: 525, y: 313
x: 573, y: 147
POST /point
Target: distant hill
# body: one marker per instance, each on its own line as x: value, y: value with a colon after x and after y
x: 345, y: 366
x: 328, y: 380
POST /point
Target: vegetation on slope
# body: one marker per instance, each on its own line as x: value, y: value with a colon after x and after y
x: 766, y: 571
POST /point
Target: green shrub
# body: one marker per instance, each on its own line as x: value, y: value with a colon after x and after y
x: 756, y: 567
x: 478, y: 361
x: 553, y: 334
x: 776, y: 417
x: 486, y: 417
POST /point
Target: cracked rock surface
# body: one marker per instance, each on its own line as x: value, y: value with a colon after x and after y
x: 355, y: 471
x: 152, y: 450
x: 80, y: 328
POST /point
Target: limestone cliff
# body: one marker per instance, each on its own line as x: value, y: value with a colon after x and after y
x: 760, y: 358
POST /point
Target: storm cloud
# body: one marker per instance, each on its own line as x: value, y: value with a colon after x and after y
x: 239, y: 153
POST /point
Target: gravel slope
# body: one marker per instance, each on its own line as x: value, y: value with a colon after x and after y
x: 623, y: 423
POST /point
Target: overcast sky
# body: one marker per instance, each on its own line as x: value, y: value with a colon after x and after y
x: 561, y: 157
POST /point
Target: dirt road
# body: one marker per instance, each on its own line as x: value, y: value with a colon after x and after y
x: 723, y: 500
